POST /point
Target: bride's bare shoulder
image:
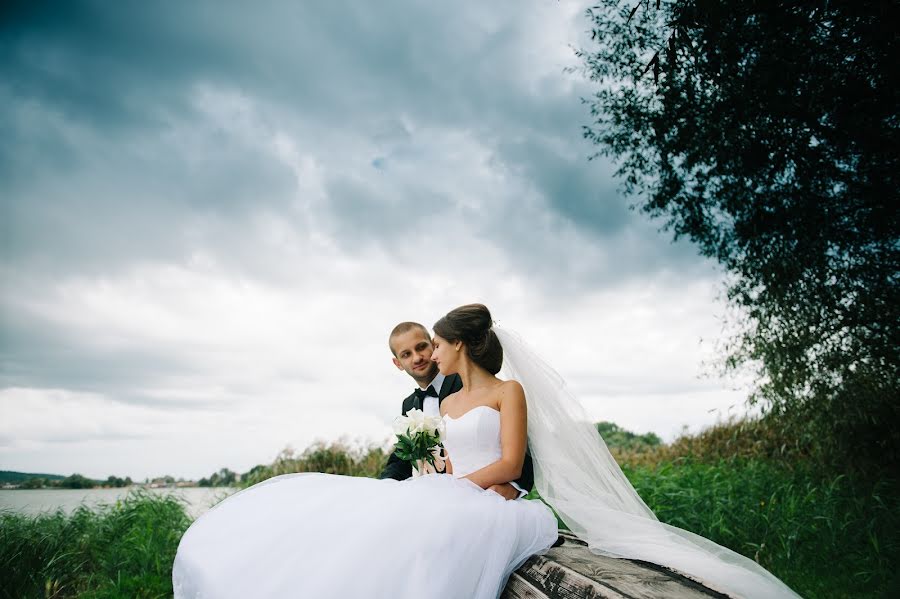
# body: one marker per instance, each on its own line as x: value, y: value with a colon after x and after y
x: 448, y: 402
x: 510, y: 390
x: 511, y: 384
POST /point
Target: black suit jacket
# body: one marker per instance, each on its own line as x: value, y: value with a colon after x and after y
x: 400, y: 469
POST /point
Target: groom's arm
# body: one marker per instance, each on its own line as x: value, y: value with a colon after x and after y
x: 526, y: 481
x: 396, y: 468
x: 519, y: 487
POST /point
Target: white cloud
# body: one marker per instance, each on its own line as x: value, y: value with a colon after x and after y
x: 204, y: 256
x: 267, y: 367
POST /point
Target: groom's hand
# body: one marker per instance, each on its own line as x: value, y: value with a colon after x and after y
x: 506, y: 490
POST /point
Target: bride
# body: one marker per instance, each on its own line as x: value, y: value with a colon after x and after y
x: 320, y: 535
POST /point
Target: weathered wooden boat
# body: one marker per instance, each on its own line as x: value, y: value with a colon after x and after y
x: 571, y: 571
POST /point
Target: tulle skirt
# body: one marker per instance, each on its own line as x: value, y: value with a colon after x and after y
x: 321, y: 535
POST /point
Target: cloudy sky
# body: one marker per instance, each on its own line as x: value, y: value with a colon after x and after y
x: 212, y: 216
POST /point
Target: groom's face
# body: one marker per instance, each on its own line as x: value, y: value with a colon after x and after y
x: 412, y: 354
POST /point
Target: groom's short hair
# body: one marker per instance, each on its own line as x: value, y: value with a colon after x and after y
x: 404, y: 327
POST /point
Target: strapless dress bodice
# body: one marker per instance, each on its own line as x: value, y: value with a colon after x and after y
x: 472, y: 440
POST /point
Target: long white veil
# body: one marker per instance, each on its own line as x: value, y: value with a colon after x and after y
x: 575, y: 473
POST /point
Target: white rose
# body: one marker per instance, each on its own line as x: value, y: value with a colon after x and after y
x: 416, y: 421
x: 401, y: 425
x: 434, y: 423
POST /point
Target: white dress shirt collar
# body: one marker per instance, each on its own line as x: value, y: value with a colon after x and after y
x: 437, y: 382
x: 431, y: 405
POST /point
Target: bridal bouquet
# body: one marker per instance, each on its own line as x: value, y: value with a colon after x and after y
x: 419, y: 441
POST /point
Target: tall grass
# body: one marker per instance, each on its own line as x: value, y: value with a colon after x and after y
x: 825, y: 536
x: 739, y: 484
x: 117, y: 551
x: 331, y: 458
x: 753, y: 485
x: 762, y: 439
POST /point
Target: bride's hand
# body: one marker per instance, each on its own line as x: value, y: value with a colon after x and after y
x: 506, y: 491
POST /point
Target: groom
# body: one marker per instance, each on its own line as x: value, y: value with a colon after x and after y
x: 411, y: 345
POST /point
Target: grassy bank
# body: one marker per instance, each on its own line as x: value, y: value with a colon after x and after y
x: 755, y: 486
x: 122, y: 550
x: 825, y: 535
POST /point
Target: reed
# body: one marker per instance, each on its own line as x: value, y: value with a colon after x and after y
x: 734, y: 439
x: 331, y: 458
x: 825, y: 535
x: 120, y: 550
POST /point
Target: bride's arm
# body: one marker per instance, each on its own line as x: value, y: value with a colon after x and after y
x: 448, y: 465
x: 513, y: 439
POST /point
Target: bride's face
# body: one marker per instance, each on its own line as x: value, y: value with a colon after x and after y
x: 445, y: 355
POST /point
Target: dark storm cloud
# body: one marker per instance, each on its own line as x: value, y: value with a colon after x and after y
x: 106, y: 65
x: 109, y: 155
x: 122, y: 72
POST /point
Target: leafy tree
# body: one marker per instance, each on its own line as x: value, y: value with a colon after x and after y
x: 223, y: 478
x: 618, y: 437
x: 77, y: 481
x: 34, y: 482
x: 768, y: 134
x: 256, y: 474
x: 117, y: 481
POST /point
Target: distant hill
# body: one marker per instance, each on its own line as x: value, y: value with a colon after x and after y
x: 8, y: 476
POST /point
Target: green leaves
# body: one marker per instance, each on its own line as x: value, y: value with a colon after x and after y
x: 770, y: 137
x: 418, y: 446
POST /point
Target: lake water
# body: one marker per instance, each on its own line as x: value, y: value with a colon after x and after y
x: 35, y: 501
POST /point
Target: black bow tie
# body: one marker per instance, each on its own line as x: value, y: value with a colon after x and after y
x: 422, y: 393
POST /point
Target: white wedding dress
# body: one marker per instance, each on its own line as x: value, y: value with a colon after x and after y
x: 321, y: 535
x: 317, y: 535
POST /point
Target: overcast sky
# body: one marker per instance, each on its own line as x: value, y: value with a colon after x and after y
x: 212, y: 216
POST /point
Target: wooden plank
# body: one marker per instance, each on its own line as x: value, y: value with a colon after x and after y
x: 519, y: 588
x: 637, y: 578
x: 571, y: 571
x: 559, y: 582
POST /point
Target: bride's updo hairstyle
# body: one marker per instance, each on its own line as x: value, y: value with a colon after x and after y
x: 472, y: 324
